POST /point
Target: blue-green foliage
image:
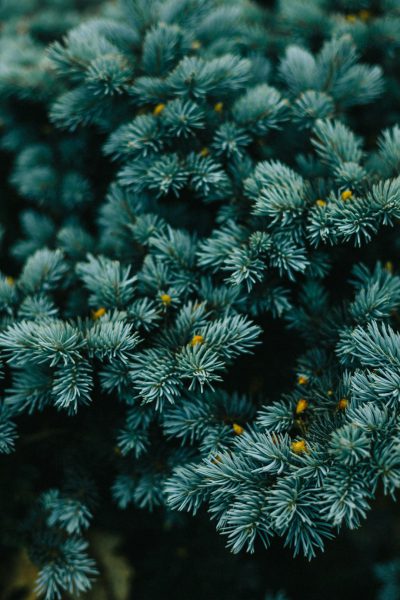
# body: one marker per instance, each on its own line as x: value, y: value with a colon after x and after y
x: 312, y: 461
x: 196, y: 169
x: 388, y: 575
x: 47, y: 168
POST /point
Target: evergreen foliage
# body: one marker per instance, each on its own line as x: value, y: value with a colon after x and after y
x: 183, y: 175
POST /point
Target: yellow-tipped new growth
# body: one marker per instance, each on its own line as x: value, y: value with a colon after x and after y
x: 343, y: 403
x: 346, y: 195
x: 166, y: 299
x: 97, y: 314
x: 320, y: 202
x: 10, y: 280
x: 219, y: 107
x: 388, y: 266
x: 196, y: 340
x: 365, y: 15
x: 238, y: 429
x: 301, y: 406
x: 351, y: 18
x: 204, y: 152
x: 196, y: 45
x: 158, y: 109
x: 299, y: 446
x: 302, y: 380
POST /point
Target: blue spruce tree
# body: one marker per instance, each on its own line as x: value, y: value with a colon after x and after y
x: 183, y: 177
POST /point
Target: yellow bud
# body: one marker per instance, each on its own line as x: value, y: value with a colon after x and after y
x: 302, y: 380
x: 97, y: 314
x: 301, y: 406
x: 217, y: 459
x: 219, y: 107
x: 365, y: 15
x: 204, y: 152
x: 343, y: 403
x: 158, y: 109
x: 351, y: 18
x: 299, y: 447
x: 166, y: 299
x: 330, y: 392
x: 197, y: 339
x: 196, y: 45
x: 10, y: 280
x: 388, y: 266
x: 346, y: 194
x: 320, y: 202
x: 238, y: 429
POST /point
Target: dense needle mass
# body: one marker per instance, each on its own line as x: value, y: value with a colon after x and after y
x: 182, y: 175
